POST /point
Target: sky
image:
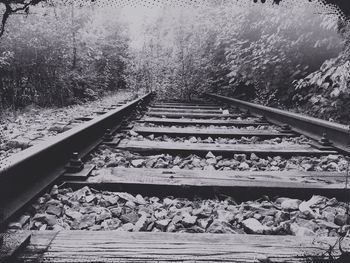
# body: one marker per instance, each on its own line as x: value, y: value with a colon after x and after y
x: 135, y: 17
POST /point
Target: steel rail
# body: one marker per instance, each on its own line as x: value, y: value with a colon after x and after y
x: 314, y: 128
x: 26, y: 174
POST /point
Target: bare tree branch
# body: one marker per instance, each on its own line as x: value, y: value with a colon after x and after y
x: 20, y: 5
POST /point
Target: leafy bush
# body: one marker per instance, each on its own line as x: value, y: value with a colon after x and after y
x: 61, y: 56
x: 326, y: 92
x: 254, y: 52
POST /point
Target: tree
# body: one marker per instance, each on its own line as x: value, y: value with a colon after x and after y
x: 47, y: 61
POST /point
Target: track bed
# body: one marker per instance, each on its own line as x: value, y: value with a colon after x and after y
x: 200, y: 182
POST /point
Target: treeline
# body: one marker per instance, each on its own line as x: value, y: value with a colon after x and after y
x: 262, y: 53
x: 290, y: 57
x: 58, y: 56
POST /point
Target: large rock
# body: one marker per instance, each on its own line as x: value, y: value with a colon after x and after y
x: 188, y: 220
x: 24, y: 220
x: 253, y: 226
x: 128, y: 227
x: 150, y: 163
x: 103, y: 215
x: 254, y: 157
x: 133, y: 133
x: 211, y: 161
x: 325, y: 224
x: 81, y: 194
x: 290, y: 204
x: 140, y: 199
x: 127, y: 197
x: 210, y: 155
x: 209, y: 168
x: 342, y: 220
x: 193, y: 140
x: 161, y: 214
x: 297, y: 230
x: 54, y: 209
x: 306, y: 210
x: 240, y: 157
x: 131, y: 217
x: 45, y: 219
x: 116, y: 211
x: 111, y: 199
x: 141, y: 224
x: 161, y: 164
x: 281, y: 216
x: 87, y: 220
x: 73, y: 215
x: 204, y: 222
x: 111, y: 224
x: 162, y: 224
x: 137, y: 163
x: 220, y: 227
x: 243, y: 166
x: 225, y: 216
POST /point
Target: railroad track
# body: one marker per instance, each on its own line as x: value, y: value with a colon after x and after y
x: 208, y: 170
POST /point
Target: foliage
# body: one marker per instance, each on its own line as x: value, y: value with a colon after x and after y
x: 276, y: 48
x: 272, y: 55
x: 61, y: 56
x: 325, y: 93
x: 257, y: 51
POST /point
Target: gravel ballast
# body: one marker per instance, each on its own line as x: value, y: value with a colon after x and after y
x: 20, y: 130
x: 89, y: 209
x: 106, y: 156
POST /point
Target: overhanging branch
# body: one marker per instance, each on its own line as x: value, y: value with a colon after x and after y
x: 14, y: 6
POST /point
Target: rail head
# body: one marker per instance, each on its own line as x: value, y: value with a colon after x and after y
x: 312, y: 127
x: 25, y: 155
x: 27, y: 173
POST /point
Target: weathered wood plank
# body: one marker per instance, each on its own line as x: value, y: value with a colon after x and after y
x: 203, y: 122
x: 185, y: 106
x: 225, y: 149
x: 190, y: 115
x: 153, y: 109
x: 198, y: 104
x: 39, y: 243
x: 263, y: 179
x: 116, y: 246
x: 11, y: 243
x: 172, y: 131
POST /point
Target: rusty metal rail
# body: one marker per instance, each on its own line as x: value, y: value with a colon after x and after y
x: 339, y: 135
x: 26, y: 174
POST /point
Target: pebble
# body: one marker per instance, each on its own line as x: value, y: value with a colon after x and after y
x: 133, y: 133
x: 20, y: 130
x: 210, y: 155
x: 253, y: 226
x: 342, y: 220
x: 189, y: 220
x: 137, y: 163
x: 126, y: 212
x: 300, y: 230
x: 162, y: 224
x: 290, y: 204
x: 240, y: 162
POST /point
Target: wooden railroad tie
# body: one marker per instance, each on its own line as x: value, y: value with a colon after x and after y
x: 218, y: 111
x: 184, y: 121
x: 331, y: 184
x: 200, y: 132
x: 190, y: 115
x: 222, y: 149
x: 115, y: 246
x: 207, y: 107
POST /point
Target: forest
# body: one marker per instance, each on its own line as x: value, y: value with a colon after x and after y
x: 290, y: 56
